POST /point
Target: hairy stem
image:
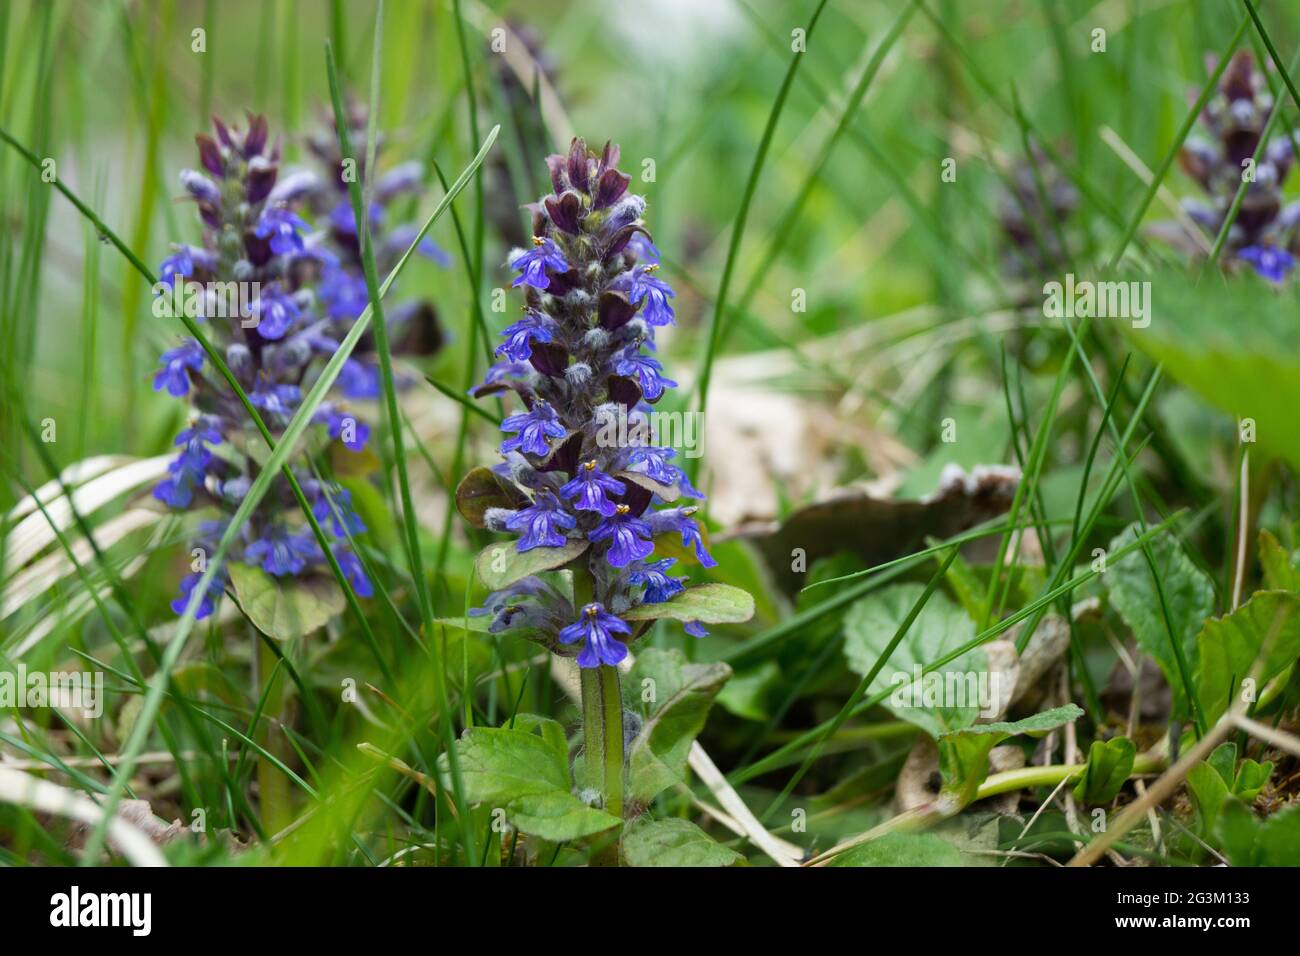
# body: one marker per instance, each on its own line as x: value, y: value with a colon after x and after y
x: 602, y: 765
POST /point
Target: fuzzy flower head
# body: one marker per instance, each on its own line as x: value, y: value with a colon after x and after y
x: 580, y: 357
x: 271, y: 335
x: 413, y: 326
x: 1264, y: 232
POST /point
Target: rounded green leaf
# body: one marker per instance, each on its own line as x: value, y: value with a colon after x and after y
x: 1109, y: 764
x: 708, y: 603
x: 285, y: 608
x: 501, y: 565
x: 675, y: 842
x: 480, y: 490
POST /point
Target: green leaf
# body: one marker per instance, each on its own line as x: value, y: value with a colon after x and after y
x: 902, y: 849
x: 1218, y: 777
x: 1280, y: 573
x: 1251, y: 778
x: 1189, y: 595
x: 288, y: 607
x: 679, y: 695
x: 964, y: 754
x: 501, y: 565
x: 963, y: 580
x: 1248, y: 369
x: 479, y: 625
x: 675, y: 842
x: 1229, y: 646
x: 1249, y: 841
x: 524, y: 771
x: 1109, y: 764
x: 482, y: 623
x: 746, y: 694
x: 482, y: 489
x: 1224, y: 761
x: 1208, y: 793
x: 708, y: 603
x: 941, y: 626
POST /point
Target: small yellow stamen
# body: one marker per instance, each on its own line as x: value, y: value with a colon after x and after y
x: 653, y: 267
x: 538, y: 240
x: 591, y: 610
x: 591, y: 465
x: 623, y: 509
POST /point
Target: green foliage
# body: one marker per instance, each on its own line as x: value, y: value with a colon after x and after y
x: 674, y: 697
x: 748, y: 692
x: 1109, y: 764
x: 1188, y: 597
x: 1263, y: 632
x: 1235, y: 343
x: 1249, y: 841
x: 675, y: 842
x: 708, y: 603
x: 964, y: 754
x: 940, y: 628
x: 902, y: 849
x: 525, y: 772
x: 918, y: 319
x: 1219, y: 778
x: 1279, y: 567
x: 287, y: 607
x: 499, y: 565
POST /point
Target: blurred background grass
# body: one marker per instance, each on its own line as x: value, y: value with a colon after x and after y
x: 113, y: 92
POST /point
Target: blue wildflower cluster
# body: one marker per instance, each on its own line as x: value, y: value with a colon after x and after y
x: 1264, y: 234
x: 579, y: 358
x: 256, y: 250
x: 412, y: 325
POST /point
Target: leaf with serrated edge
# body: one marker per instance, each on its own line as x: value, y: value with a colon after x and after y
x: 940, y: 627
x: 527, y: 776
x: 1188, y: 594
x: 683, y: 694
x: 708, y: 603
x: 518, y: 565
x: 675, y: 842
x: 285, y: 608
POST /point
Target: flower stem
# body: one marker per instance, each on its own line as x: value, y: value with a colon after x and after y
x: 272, y: 785
x: 611, y: 699
x: 602, y: 721
x: 1024, y: 778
